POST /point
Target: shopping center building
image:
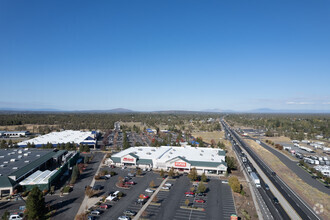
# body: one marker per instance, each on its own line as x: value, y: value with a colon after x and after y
x: 205, y: 160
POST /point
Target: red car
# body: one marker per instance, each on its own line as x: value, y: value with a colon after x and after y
x: 130, y: 183
x: 200, y: 200
x: 104, y: 206
x: 189, y: 192
x: 144, y: 196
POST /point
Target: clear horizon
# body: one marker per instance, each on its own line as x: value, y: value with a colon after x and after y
x: 165, y: 55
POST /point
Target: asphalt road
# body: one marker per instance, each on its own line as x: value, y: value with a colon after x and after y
x: 301, y: 208
x: 297, y: 170
x: 276, y: 210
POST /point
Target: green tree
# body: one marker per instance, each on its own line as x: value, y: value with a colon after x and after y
x: 35, y: 205
x: 152, y: 184
x: 231, y: 163
x: 187, y: 202
x: 201, y: 188
x: 162, y: 173
x: 5, y: 215
x: 125, y: 141
x: 75, y: 174
x: 193, y: 174
x: 234, y: 184
x: 171, y: 172
x: 203, y: 178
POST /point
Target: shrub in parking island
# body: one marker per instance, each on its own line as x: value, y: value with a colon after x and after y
x: 193, y: 174
x: 201, y: 188
x: 171, y: 172
x: 152, y: 184
x: 162, y: 173
x: 187, y: 202
x: 203, y: 178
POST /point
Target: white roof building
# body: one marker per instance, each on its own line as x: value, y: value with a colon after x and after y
x: 55, y: 138
x: 180, y: 158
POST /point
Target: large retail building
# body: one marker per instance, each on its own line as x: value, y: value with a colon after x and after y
x: 205, y: 160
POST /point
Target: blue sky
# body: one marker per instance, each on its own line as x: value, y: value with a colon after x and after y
x: 165, y: 55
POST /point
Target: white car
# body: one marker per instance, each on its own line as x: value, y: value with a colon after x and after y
x: 16, y: 217
x: 168, y: 184
x: 149, y: 190
x: 95, y: 212
x: 166, y: 187
x: 124, y: 218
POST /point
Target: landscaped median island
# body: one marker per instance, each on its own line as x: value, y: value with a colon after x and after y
x: 309, y: 194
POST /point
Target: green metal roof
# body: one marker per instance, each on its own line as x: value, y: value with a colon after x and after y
x: 31, y: 166
x: 133, y: 155
x: 60, y: 153
x: 6, y: 182
x: 144, y: 161
x: 115, y: 159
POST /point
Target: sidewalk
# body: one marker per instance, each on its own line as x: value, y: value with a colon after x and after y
x: 88, y: 202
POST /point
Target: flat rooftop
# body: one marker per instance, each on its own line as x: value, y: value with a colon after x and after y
x: 165, y: 153
x: 12, y: 160
x: 60, y: 137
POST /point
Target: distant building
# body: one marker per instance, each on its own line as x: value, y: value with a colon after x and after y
x: 56, y: 138
x: 15, y: 133
x: 117, y: 126
x: 319, y: 136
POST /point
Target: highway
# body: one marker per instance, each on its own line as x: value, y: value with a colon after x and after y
x: 276, y: 210
x: 302, y: 209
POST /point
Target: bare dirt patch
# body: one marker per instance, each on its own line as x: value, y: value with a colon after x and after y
x: 309, y: 194
x: 207, y: 136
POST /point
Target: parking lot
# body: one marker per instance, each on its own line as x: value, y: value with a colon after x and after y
x: 217, y: 202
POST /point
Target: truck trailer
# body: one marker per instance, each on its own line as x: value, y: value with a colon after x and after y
x: 255, y: 179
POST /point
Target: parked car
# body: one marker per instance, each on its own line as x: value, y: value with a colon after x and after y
x: 90, y: 217
x: 129, y: 213
x: 103, y: 178
x: 97, y: 187
x: 189, y: 193
x: 276, y: 200
x: 18, y: 216
x: 104, y: 206
x: 95, y: 212
x: 165, y: 187
x: 149, y: 190
x: 124, y: 218
x: 224, y: 181
x: 200, y: 200
x: 168, y: 184
x: 201, y: 194
x: 140, y: 201
x: 142, y: 196
x: 131, y: 174
x: 130, y: 182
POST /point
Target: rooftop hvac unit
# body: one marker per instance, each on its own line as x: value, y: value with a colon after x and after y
x: 202, y: 150
x: 201, y: 154
x: 2, y: 156
x: 140, y: 149
x: 149, y: 153
x: 27, y: 161
x: 5, y: 162
x: 15, y: 168
x: 153, y: 150
x: 38, y: 155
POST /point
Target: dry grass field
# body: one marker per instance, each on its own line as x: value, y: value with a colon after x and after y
x: 309, y: 194
x: 208, y: 136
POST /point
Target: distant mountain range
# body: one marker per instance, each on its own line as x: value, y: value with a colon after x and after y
x: 124, y: 110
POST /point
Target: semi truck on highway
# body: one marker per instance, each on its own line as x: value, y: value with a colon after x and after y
x: 255, y: 179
